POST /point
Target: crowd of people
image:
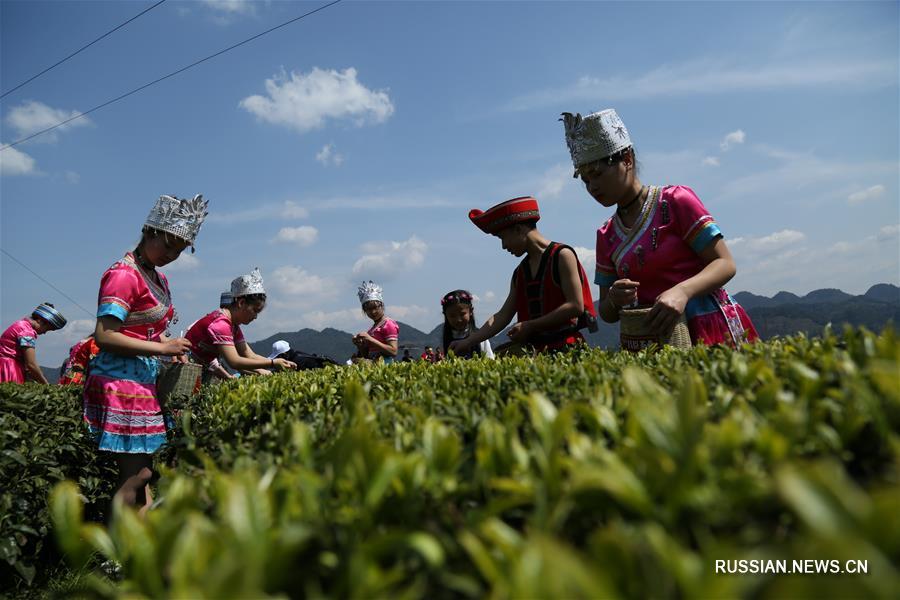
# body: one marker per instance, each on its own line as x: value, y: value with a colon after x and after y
x: 661, y: 249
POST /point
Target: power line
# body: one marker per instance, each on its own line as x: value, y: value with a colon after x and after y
x: 66, y: 296
x: 85, y: 47
x: 164, y: 77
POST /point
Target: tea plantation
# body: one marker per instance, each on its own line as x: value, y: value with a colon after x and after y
x: 586, y: 475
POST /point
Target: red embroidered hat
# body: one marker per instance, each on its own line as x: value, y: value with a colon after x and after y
x: 507, y: 213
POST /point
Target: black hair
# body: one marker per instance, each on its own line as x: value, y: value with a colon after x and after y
x: 456, y: 297
x: 619, y: 156
x: 253, y: 299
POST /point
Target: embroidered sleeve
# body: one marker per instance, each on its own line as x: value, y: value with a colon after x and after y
x: 220, y: 333
x: 691, y: 219
x: 26, y: 341
x: 605, y: 271
x: 118, y: 290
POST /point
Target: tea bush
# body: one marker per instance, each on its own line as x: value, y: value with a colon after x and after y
x: 580, y: 475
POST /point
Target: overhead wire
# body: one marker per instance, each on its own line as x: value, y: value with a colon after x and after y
x: 85, y: 47
x: 172, y: 74
x: 66, y: 296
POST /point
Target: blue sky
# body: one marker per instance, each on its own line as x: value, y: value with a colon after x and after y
x: 352, y: 144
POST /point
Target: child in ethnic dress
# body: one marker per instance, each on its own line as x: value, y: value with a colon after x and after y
x: 18, y: 359
x: 381, y: 340
x: 121, y: 407
x: 459, y: 322
x: 661, y: 248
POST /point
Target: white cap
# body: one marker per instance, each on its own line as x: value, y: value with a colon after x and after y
x: 279, y: 347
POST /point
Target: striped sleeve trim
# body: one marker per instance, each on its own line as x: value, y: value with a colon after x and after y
x: 702, y: 233
x: 26, y: 341
x: 112, y: 309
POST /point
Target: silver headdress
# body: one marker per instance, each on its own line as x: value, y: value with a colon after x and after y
x: 369, y: 290
x: 595, y: 136
x: 179, y: 216
x: 248, y: 284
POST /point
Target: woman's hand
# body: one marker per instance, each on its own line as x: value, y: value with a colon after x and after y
x: 175, y: 347
x: 284, y: 364
x: 459, y: 347
x: 667, y: 309
x: 520, y: 332
x: 623, y: 292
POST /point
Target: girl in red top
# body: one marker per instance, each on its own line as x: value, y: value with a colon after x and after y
x: 382, y: 338
x: 17, y: 344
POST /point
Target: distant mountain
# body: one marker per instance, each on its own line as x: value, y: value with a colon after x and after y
x: 783, y: 314
x: 883, y: 292
x: 336, y: 344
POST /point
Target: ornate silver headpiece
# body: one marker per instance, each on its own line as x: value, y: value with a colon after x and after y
x: 594, y: 137
x: 179, y: 216
x: 248, y: 284
x: 369, y: 290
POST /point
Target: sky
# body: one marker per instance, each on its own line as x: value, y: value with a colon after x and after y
x: 351, y: 144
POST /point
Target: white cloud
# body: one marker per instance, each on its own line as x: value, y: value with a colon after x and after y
x: 286, y: 210
x: 385, y: 259
x: 16, y: 162
x: 328, y: 156
x: 305, y: 101
x: 185, y: 262
x: 75, y: 330
x: 769, y: 243
x: 888, y: 232
x: 31, y: 117
x: 716, y: 76
x: 710, y: 161
x: 489, y: 295
x: 554, y: 181
x: 587, y: 256
x: 232, y: 7
x: 876, y: 191
x: 296, y: 281
x: 304, y: 235
x: 733, y: 138
x: 72, y: 177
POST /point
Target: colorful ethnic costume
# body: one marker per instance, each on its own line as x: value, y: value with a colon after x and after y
x: 15, y: 339
x: 210, y: 332
x: 120, y: 403
x: 76, y: 366
x: 539, y: 294
x: 385, y: 331
x: 21, y: 335
x: 121, y: 407
x: 661, y: 250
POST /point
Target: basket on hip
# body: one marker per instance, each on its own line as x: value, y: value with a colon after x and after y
x: 178, y: 379
x: 635, y: 334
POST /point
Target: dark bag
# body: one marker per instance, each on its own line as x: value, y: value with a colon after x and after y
x: 306, y: 361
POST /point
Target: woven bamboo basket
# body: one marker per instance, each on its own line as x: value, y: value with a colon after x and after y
x: 178, y: 379
x: 635, y: 336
